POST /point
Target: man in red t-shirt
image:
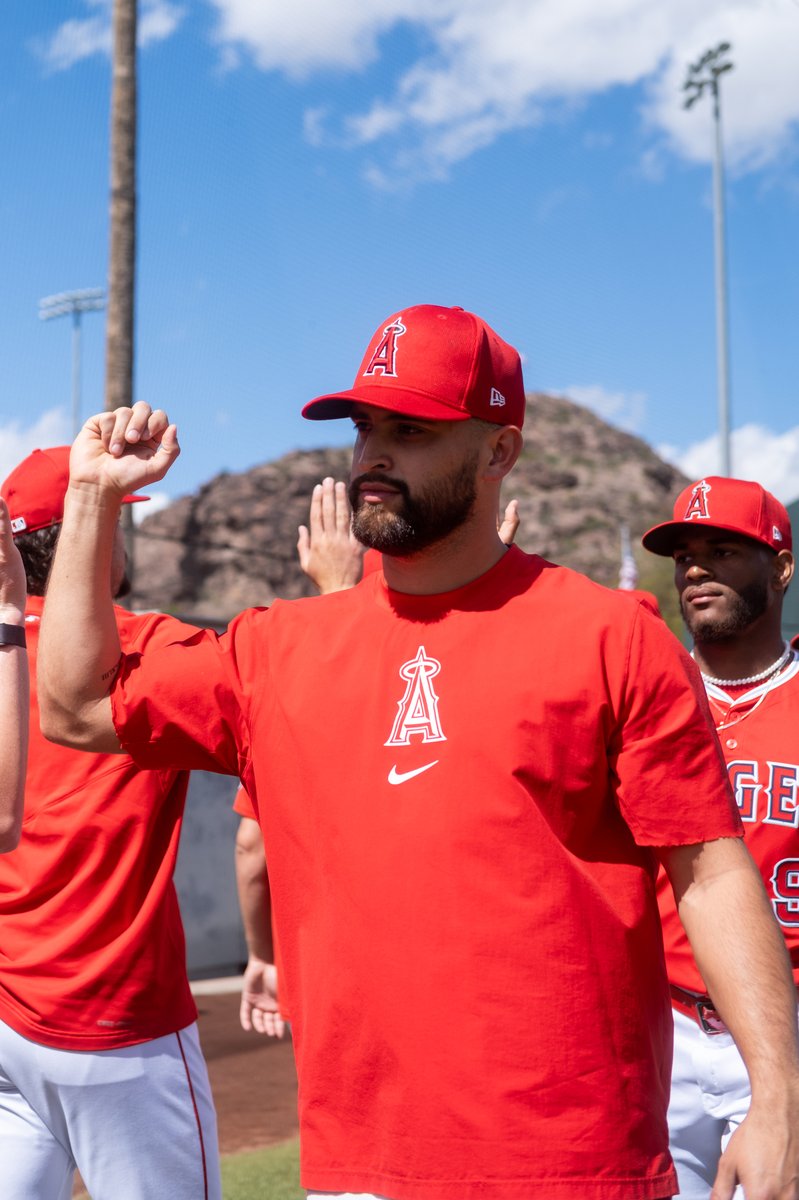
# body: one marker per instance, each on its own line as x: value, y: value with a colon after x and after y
x: 334, y: 560
x: 466, y: 769
x: 100, y: 1062
x: 731, y: 544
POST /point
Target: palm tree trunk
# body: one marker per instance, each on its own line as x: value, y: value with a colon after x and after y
x: 122, y: 255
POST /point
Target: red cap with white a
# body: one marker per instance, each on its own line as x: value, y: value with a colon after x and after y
x: 735, y: 505
x: 439, y: 364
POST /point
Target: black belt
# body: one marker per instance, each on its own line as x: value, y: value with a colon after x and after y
x: 699, y: 1006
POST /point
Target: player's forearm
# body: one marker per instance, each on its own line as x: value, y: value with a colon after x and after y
x: 741, y: 955
x: 14, y: 711
x: 79, y: 649
x: 255, y: 904
x: 256, y: 919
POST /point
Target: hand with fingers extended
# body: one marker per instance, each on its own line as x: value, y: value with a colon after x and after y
x: 260, y: 1010
x: 762, y: 1155
x: 14, y: 686
x: 123, y: 450
x: 329, y: 553
x: 509, y: 524
x: 12, y: 573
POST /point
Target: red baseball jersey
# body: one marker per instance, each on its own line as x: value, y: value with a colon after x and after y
x: 459, y: 794
x: 92, y: 953
x: 759, y: 734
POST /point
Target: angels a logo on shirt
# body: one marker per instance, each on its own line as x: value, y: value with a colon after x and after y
x: 417, y: 714
x: 385, y: 354
x: 697, y: 506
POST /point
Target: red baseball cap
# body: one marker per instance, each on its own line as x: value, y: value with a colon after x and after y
x: 735, y: 505
x: 35, y: 490
x: 440, y: 364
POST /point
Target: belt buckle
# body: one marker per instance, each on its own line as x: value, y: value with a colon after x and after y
x: 709, y: 1020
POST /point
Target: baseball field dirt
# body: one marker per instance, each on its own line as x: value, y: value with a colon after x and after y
x: 252, y: 1077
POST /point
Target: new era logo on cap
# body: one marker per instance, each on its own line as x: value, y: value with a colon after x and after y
x: 735, y: 505
x: 439, y: 364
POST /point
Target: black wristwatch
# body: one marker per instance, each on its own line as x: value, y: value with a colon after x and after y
x: 12, y: 635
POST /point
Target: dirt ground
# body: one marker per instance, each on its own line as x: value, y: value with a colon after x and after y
x: 252, y: 1079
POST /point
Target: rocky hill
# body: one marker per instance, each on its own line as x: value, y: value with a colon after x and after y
x: 232, y: 544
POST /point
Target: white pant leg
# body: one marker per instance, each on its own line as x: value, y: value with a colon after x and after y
x: 35, y: 1165
x: 138, y: 1121
x: 710, y: 1096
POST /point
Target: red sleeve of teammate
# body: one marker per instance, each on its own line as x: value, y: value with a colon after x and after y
x: 196, y: 678
x: 663, y: 721
x: 242, y: 804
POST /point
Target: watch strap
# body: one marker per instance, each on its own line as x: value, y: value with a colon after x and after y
x: 12, y: 635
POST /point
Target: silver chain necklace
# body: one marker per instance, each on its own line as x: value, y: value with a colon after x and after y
x: 775, y: 666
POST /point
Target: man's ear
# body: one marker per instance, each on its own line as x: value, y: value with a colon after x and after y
x: 783, y: 570
x: 505, y: 446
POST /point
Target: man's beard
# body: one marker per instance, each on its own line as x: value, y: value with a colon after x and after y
x: 421, y: 521
x: 745, y: 608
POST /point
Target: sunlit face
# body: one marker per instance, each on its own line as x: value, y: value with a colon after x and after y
x: 724, y: 583
x: 413, y: 482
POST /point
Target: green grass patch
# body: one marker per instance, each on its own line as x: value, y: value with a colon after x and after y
x: 270, y: 1174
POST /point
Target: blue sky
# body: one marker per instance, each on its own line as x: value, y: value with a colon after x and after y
x: 306, y: 169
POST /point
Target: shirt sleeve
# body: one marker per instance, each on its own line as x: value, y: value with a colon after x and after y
x: 672, y: 783
x: 242, y: 804
x: 178, y: 700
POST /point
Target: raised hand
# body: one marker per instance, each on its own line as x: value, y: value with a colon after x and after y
x: 509, y: 524
x: 329, y: 553
x: 123, y: 450
x: 12, y: 573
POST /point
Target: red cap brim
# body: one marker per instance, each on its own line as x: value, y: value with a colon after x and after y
x: 400, y: 400
x: 662, y: 539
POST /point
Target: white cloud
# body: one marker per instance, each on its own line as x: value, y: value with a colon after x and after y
x: 483, y: 69
x: 757, y: 453
x: 157, y: 502
x: 302, y: 37
x: 626, y: 410
x: 83, y: 37
x: 52, y: 428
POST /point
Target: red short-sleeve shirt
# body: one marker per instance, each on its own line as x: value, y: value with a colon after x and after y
x: 459, y: 795
x: 758, y: 736
x: 92, y: 953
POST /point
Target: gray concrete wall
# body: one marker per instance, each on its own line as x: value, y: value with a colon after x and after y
x: 205, y: 878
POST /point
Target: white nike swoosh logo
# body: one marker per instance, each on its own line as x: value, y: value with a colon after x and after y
x: 395, y: 776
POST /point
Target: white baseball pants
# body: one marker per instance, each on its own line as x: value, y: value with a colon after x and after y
x: 710, y: 1097
x: 138, y: 1122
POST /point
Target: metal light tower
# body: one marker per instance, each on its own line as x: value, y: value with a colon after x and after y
x: 74, y: 303
x: 704, y: 76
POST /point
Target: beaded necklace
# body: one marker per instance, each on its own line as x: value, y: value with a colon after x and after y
x: 775, y: 666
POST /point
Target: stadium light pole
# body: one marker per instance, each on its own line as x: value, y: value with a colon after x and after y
x: 703, y: 76
x: 73, y: 304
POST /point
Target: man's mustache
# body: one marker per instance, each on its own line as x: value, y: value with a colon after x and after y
x: 353, y: 491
